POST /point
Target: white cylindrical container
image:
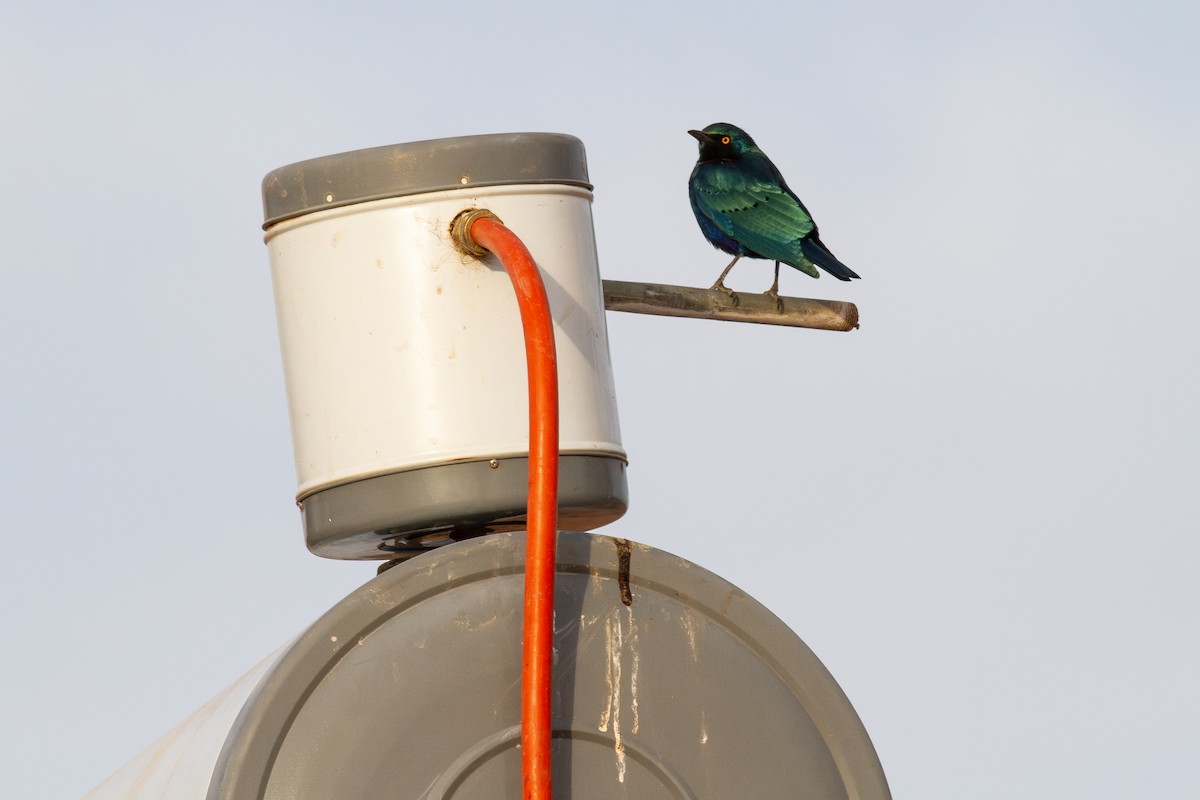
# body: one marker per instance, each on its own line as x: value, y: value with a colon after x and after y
x: 404, y: 358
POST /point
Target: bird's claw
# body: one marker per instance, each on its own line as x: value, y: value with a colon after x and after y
x: 774, y: 295
x: 721, y: 287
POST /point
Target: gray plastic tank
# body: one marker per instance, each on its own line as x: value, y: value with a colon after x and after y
x: 669, y: 682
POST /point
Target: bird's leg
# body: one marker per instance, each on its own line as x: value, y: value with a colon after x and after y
x: 720, y: 284
x: 773, y: 292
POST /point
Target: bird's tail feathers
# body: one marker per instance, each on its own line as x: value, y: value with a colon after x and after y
x: 817, y: 253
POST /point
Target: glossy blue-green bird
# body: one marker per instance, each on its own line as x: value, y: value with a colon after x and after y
x: 744, y: 207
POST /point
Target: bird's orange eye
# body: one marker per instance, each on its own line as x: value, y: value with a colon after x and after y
x: 724, y: 140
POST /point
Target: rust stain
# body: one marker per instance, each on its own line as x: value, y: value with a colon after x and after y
x: 624, y: 561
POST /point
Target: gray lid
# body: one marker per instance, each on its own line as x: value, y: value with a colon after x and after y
x: 396, y: 170
x: 669, y: 684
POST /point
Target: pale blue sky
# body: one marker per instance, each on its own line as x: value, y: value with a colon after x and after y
x: 979, y: 510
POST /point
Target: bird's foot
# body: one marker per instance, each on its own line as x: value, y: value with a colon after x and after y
x: 773, y: 293
x: 721, y: 287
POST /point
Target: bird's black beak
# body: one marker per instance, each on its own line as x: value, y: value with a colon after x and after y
x: 702, y: 137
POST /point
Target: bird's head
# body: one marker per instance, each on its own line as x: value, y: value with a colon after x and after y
x: 722, y: 141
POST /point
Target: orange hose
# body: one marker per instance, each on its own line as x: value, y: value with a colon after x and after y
x: 540, y: 542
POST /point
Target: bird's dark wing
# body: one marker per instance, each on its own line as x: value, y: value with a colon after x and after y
x: 759, y: 213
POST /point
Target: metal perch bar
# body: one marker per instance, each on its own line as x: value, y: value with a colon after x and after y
x: 685, y: 301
